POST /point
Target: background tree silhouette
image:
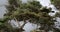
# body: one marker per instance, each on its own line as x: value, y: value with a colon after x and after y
x: 57, y: 5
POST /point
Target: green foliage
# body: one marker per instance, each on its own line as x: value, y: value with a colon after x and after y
x: 31, y: 10
x: 56, y: 3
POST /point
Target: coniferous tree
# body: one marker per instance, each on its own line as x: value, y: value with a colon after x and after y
x: 32, y: 11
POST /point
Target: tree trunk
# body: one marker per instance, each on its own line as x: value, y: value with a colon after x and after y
x: 21, y: 27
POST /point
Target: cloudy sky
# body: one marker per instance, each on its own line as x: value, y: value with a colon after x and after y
x: 2, y: 7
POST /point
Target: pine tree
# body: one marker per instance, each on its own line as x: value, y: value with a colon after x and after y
x: 32, y: 11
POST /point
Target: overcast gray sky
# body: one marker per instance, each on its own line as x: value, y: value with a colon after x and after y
x: 2, y: 7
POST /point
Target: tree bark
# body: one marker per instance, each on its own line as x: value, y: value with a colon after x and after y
x: 21, y: 27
